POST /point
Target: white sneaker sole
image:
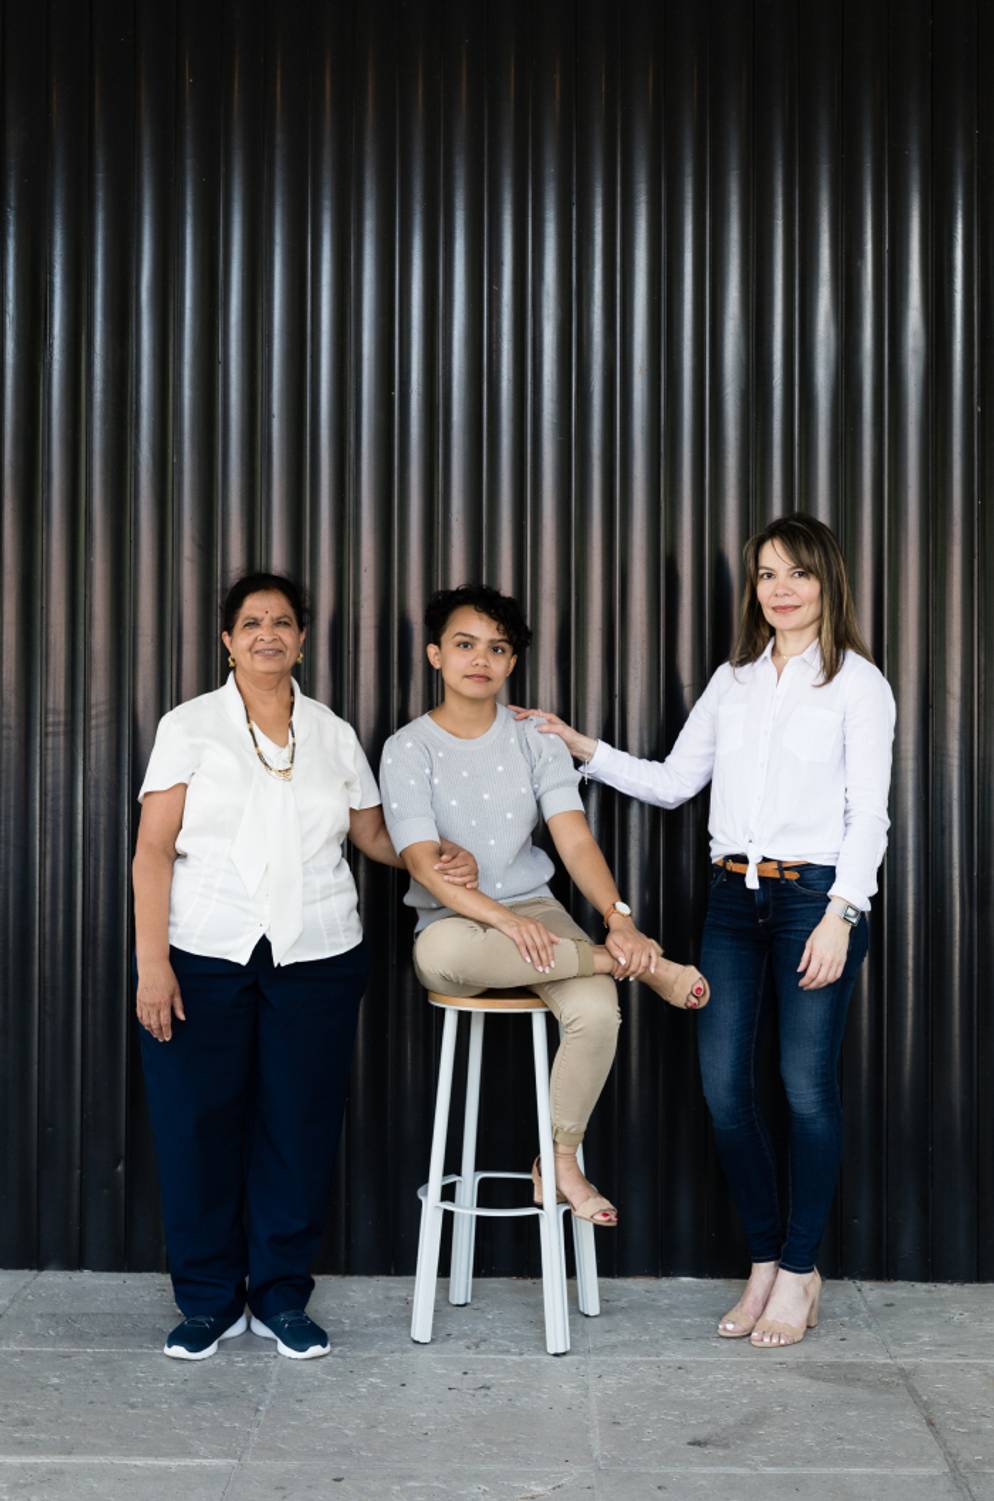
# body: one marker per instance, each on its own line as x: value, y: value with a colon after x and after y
x: 176, y: 1352
x: 314, y: 1352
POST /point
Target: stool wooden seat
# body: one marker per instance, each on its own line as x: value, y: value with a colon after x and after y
x: 465, y: 1208
x: 495, y: 1001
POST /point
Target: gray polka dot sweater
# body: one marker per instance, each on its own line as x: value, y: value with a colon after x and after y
x: 484, y: 794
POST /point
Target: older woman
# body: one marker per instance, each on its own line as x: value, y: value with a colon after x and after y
x: 251, y: 966
x: 794, y: 734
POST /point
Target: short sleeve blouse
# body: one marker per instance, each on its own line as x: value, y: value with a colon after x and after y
x: 258, y: 856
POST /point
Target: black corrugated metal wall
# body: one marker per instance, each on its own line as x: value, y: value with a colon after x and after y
x: 568, y: 296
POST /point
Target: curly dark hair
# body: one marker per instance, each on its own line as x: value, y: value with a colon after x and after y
x: 258, y: 583
x: 501, y: 608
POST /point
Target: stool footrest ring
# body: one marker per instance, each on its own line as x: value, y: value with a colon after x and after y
x: 480, y: 1209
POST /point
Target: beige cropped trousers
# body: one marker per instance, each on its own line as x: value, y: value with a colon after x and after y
x: 459, y: 957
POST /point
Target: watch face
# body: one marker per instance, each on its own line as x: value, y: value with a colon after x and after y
x: 623, y: 908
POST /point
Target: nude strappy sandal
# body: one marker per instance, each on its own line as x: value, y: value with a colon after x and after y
x: 588, y: 1209
x: 681, y: 985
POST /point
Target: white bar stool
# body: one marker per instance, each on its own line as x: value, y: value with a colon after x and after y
x: 464, y: 1207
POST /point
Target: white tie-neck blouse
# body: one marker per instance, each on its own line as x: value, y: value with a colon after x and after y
x: 799, y: 770
x: 257, y: 856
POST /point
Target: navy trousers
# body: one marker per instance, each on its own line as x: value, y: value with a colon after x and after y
x: 246, y: 1105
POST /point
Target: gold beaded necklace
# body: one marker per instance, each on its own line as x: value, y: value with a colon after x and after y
x: 284, y: 773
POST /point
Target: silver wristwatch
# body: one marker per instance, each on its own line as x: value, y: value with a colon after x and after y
x: 845, y: 910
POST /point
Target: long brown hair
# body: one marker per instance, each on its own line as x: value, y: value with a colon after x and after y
x: 813, y: 546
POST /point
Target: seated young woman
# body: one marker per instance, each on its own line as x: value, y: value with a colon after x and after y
x: 467, y: 771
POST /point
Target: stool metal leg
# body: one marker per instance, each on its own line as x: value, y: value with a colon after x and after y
x: 585, y: 1255
x: 553, y: 1254
x: 430, y: 1236
x: 464, y: 1225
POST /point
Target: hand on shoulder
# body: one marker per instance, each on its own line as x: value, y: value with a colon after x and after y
x: 544, y: 722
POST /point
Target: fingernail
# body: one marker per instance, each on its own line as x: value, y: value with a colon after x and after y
x: 698, y: 989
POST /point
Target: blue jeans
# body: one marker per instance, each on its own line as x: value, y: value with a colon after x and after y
x: 746, y: 934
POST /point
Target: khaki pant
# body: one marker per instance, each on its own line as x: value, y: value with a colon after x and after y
x: 459, y: 957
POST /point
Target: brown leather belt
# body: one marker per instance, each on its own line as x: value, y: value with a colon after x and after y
x: 771, y: 868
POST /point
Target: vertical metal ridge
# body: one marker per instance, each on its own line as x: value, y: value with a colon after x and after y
x: 23, y: 181
x: 863, y: 363
x: 109, y: 440
x: 909, y: 500
x: 952, y: 644
x: 983, y: 877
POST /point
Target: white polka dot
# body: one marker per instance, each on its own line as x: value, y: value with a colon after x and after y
x: 411, y: 782
x: 435, y: 780
x: 441, y: 754
x: 454, y: 804
x: 393, y: 805
x: 508, y: 815
x: 500, y: 768
x: 493, y: 841
x: 389, y: 760
x: 486, y: 797
x: 500, y: 885
x: 465, y: 773
x: 473, y: 822
x: 524, y: 789
x: 408, y: 744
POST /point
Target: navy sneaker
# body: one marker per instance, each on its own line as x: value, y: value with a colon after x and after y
x: 296, y: 1336
x: 199, y: 1336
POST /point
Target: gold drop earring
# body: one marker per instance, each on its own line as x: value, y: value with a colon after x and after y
x: 231, y: 660
x: 300, y: 656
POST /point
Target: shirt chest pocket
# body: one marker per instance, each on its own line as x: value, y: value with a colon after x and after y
x: 813, y: 735
x: 731, y: 729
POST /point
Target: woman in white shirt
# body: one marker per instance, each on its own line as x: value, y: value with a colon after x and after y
x: 250, y: 969
x: 794, y: 733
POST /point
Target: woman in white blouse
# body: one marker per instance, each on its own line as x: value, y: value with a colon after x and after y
x: 794, y: 733
x: 251, y: 967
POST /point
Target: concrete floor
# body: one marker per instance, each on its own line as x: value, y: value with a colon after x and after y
x: 892, y: 1398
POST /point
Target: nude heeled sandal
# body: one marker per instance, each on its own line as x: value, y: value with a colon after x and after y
x: 790, y: 1334
x: 588, y: 1209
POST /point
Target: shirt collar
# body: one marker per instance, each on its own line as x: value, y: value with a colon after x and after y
x: 234, y: 706
x: 811, y: 654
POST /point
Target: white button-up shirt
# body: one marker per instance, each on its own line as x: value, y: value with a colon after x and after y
x: 798, y: 771
x: 257, y: 855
